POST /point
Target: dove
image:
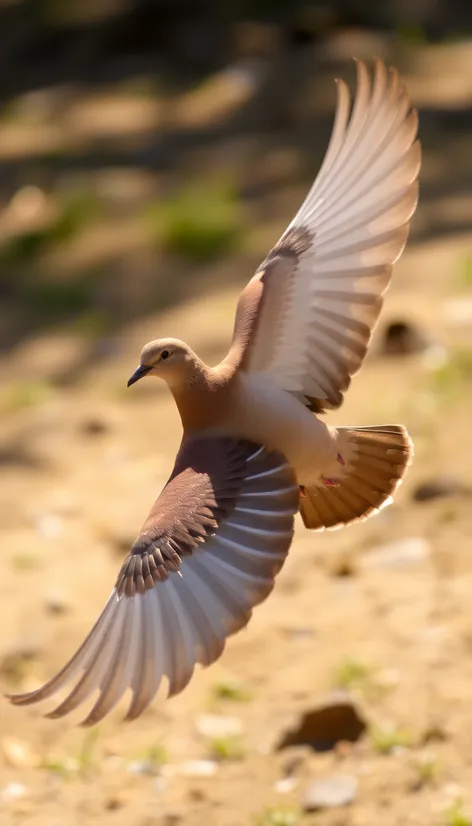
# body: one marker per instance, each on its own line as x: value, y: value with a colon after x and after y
x: 255, y: 449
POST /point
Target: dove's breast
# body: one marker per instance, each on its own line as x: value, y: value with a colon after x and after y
x: 268, y: 415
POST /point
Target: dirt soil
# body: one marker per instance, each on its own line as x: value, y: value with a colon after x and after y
x: 81, y: 468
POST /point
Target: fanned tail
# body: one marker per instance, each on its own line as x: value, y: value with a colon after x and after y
x: 375, y: 462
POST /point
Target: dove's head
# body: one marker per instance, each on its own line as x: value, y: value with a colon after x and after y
x: 167, y: 358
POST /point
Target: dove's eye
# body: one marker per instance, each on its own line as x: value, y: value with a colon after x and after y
x: 165, y: 355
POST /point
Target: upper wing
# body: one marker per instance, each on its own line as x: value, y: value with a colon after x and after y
x: 308, y: 314
x: 208, y: 553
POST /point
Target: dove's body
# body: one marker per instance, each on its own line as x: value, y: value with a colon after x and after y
x: 250, y: 406
x: 267, y: 415
x: 220, y: 530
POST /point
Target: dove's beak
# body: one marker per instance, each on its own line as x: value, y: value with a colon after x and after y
x: 140, y: 371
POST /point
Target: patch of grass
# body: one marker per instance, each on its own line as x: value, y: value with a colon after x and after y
x: 24, y: 247
x: 277, y: 817
x: 352, y: 673
x: 93, y: 323
x: 465, y: 271
x: 355, y: 675
x: 386, y: 740
x: 227, y: 748
x: 232, y: 690
x: 63, y: 768
x: 426, y: 770
x: 456, y: 816
x: 52, y: 300
x: 84, y: 764
x: 22, y: 395
x: 86, y: 758
x: 456, y: 372
x: 74, y: 213
x: 201, y: 222
x: 156, y: 756
x: 411, y: 34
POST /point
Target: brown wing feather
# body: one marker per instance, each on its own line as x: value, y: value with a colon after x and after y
x: 201, y: 491
x: 208, y: 553
x: 307, y: 316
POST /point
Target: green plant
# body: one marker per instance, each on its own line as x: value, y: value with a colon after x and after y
x: 386, y: 740
x: 352, y: 673
x: 63, y: 768
x: 74, y: 212
x: 230, y: 747
x: 456, y: 816
x: 201, y: 222
x: 411, y: 34
x: 456, y: 371
x: 277, y: 817
x: 53, y: 300
x: 156, y: 756
x: 93, y: 323
x: 22, y: 395
x: 87, y: 751
x: 425, y: 770
x: 231, y: 690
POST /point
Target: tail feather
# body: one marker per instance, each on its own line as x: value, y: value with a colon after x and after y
x: 376, y: 459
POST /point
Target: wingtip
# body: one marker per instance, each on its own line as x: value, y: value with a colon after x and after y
x: 20, y: 699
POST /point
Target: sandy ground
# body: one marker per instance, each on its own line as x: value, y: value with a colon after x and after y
x: 81, y: 468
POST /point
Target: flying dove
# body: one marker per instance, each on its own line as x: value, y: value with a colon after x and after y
x: 254, y: 450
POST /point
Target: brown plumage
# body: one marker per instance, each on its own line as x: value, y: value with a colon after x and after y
x: 207, y: 554
x: 375, y: 462
x: 252, y: 439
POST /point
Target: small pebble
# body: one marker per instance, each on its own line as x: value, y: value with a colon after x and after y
x: 146, y: 767
x: 399, y: 554
x: 214, y: 725
x: 115, y: 802
x: 160, y: 784
x: 49, y: 526
x: 453, y: 791
x: 388, y: 678
x: 57, y: 605
x: 285, y: 785
x: 94, y: 426
x: 199, y: 768
x: 19, y: 754
x: 14, y: 791
x: 330, y: 793
x: 299, y: 634
x: 458, y: 311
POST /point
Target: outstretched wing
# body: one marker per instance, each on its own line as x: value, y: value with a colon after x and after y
x: 307, y: 316
x: 214, y: 541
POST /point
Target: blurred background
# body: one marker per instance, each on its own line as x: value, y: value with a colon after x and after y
x: 150, y: 155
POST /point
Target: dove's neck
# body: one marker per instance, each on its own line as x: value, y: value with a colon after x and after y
x: 203, y: 396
